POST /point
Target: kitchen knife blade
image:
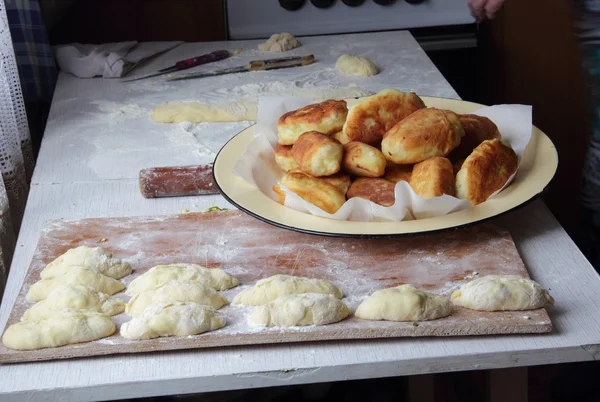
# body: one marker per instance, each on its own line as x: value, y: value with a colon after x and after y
x: 257, y: 65
x: 185, y: 64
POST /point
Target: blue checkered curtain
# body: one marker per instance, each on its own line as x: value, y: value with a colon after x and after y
x: 15, y: 144
x: 35, y: 60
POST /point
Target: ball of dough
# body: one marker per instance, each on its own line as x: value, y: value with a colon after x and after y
x: 275, y: 286
x: 62, y: 328
x: 403, y: 303
x: 172, y: 319
x: 300, y: 310
x: 355, y: 66
x: 318, y: 154
x: 501, y: 293
x: 279, y: 43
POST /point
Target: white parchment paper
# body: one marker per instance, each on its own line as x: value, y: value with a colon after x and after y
x: 258, y: 167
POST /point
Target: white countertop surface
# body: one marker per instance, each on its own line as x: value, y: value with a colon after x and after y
x: 98, y: 138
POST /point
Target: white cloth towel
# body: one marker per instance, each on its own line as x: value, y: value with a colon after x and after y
x: 109, y: 60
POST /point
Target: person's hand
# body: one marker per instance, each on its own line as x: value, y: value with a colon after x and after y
x: 482, y: 9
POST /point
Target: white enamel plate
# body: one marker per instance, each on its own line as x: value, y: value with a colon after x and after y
x: 536, y: 170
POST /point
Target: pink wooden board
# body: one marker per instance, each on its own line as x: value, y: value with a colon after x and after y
x: 251, y: 250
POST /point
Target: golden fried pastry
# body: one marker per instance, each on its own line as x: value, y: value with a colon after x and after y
x: 433, y: 177
x: 340, y: 180
x: 477, y: 129
x: 318, y: 192
x: 373, y: 116
x: 363, y: 160
x: 425, y: 133
x: 378, y: 190
x: 341, y: 137
x: 486, y: 170
x: 326, y: 117
x: 317, y: 154
x: 283, y: 157
x: 396, y: 173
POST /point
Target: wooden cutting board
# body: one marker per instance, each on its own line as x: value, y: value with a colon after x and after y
x: 251, y: 250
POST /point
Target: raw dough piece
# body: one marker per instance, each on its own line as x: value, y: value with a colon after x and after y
x: 64, y: 327
x: 75, y: 296
x: 214, y: 277
x: 355, y: 65
x: 94, y: 258
x: 403, y: 303
x: 197, y: 112
x: 271, y: 288
x: 175, y: 291
x: 172, y: 319
x: 244, y: 110
x: 500, y: 293
x: 85, y: 276
x: 301, y: 309
x: 279, y: 43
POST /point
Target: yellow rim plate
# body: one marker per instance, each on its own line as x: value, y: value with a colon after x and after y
x: 537, y: 168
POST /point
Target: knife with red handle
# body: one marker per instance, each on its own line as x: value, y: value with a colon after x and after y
x: 196, y: 61
x: 185, y: 64
x: 177, y: 181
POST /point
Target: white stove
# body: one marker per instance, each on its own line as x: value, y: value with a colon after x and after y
x: 251, y: 19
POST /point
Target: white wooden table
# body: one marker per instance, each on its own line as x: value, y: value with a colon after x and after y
x: 99, y: 136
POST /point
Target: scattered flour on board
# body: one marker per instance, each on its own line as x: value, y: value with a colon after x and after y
x: 205, y: 138
x: 449, y: 287
x: 252, y: 92
x: 157, y: 85
x: 116, y: 112
x: 242, y: 100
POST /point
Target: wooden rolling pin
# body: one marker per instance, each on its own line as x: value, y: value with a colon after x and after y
x: 177, y: 181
